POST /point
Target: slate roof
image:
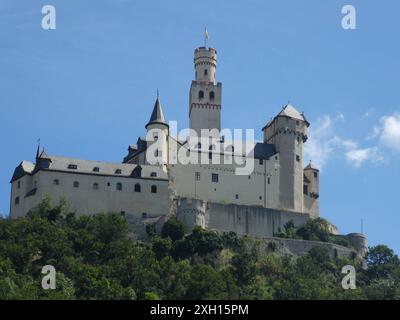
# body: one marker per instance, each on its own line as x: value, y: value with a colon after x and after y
x: 264, y: 150
x: 157, y: 116
x: 289, y: 111
x: 73, y: 165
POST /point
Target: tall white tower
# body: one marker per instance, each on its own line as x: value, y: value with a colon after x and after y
x: 205, y: 92
x: 288, y: 132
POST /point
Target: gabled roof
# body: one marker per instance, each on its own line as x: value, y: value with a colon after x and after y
x: 157, y: 116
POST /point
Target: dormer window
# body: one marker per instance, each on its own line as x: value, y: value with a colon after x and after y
x: 72, y: 166
x: 118, y: 171
x: 96, y: 169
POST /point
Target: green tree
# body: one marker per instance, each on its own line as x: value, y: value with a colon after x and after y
x: 173, y: 229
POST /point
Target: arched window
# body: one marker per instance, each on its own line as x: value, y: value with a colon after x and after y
x: 95, y: 186
x: 76, y: 184
x: 201, y: 95
x: 137, y: 187
x: 212, y: 95
x: 153, y: 189
x: 119, y: 186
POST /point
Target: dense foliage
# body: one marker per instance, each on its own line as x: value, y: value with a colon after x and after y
x: 315, y: 229
x: 95, y: 258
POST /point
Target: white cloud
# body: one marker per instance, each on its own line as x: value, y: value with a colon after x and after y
x: 323, y: 141
x: 390, y: 131
x: 356, y: 157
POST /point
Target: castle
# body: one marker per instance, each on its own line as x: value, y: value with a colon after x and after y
x: 155, y: 179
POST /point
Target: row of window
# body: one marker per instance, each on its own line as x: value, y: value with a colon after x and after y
x: 215, y: 177
x: 117, y: 171
x: 211, y: 95
x: 118, y: 186
x: 95, y: 186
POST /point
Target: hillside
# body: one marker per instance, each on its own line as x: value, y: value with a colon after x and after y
x: 96, y: 258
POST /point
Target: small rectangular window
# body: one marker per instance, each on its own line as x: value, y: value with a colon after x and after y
x: 261, y: 162
x: 73, y: 166
x: 19, y: 184
x: 315, y: 174
x: 305, y: 189
x: 297, y: 158
x: 118, y: 171
x: 197, y: 176
x: 153, y: 174
x: 214, y: 177
x: 16, y: 200
x: 236, y: 196
x: 269, y: 180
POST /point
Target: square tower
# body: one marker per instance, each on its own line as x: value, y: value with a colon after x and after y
x: 205, y: 93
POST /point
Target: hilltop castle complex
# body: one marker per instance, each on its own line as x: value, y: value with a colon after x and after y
x: 153, y: 182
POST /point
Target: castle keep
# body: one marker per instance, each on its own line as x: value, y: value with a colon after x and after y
x: 152, y: 183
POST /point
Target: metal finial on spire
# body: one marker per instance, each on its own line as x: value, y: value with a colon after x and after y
x: 205, y: 37
x: 158, y: 93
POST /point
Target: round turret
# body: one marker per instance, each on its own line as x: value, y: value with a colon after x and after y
x: 358, y: 241
x: 205, y: 63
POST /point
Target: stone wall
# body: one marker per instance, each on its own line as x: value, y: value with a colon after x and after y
x: 302, y: 247
x: 250, y: 220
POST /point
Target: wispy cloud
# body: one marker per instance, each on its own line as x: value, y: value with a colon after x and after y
x: 390, y: 131
x: 356, y: 157
x: 325, y: 143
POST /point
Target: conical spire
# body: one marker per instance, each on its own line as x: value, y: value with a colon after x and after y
x: 38, y: 150
x: 157, y: 116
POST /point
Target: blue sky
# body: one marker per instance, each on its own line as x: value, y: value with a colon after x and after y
x: 88, y: 87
